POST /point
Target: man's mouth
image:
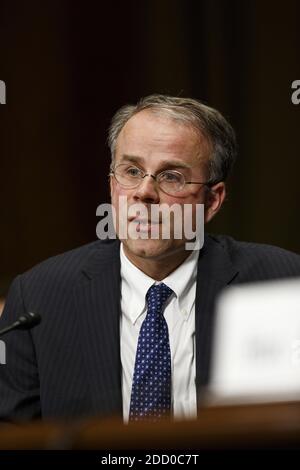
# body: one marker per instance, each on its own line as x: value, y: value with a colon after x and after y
x: 144, y: 225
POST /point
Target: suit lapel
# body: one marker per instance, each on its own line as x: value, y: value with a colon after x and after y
x: 215, y: 271
x: 98, y: 307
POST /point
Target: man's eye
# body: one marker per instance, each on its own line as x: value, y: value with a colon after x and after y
x: 170, y: 177
x: 132, y: 171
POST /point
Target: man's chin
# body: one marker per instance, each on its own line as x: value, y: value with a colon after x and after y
x: 149, y: 248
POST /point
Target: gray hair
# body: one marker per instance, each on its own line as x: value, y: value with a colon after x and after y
x: 204, y: 119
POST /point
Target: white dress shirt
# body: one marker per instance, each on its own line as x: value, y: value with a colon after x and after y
x: 180, y: 317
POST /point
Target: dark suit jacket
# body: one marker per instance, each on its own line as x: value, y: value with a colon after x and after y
x: 69, y: 365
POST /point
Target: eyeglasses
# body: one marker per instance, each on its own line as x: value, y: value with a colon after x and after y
x: 169, y: 181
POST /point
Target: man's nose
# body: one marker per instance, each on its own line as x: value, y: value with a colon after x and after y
x: 147, y: 191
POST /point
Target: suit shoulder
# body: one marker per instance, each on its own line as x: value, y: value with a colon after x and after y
x: 67, y: 265
x: 260, y: 257
x: 236, y: 246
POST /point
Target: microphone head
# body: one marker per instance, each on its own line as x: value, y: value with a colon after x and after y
x: 28, y: 320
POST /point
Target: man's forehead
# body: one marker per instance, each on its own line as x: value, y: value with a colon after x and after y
x: 151, y: 119
x: 140, y: 160
x: 152, y: 131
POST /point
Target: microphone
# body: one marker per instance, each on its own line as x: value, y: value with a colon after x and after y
x: 24, y: 322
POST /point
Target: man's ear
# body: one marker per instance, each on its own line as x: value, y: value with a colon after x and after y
x: 214, y: 199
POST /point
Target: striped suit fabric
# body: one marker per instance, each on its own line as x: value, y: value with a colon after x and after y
x: 69, y: 366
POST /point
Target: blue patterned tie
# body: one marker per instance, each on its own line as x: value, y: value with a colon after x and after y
x: 151, y: 386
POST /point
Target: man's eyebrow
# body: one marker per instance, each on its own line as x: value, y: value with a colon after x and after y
x: 168, y: 163
x: 132, y: 158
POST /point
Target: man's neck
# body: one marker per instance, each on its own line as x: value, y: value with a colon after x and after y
x: 157, y: 269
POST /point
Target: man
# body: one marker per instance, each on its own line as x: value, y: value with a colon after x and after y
x: 126, y: 326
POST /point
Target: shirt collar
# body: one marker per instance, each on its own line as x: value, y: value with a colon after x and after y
x: 183, y: 282
x: 136, y: 284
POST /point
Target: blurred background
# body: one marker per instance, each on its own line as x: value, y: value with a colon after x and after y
x: 69, y: 65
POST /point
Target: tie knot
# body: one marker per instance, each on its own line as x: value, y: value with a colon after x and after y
x: 157, y: 295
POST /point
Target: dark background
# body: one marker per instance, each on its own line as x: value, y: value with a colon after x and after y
x: 69, y: 65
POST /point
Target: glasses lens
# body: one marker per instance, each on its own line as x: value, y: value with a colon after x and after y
x: 171, y: 181
x: 128, y: 175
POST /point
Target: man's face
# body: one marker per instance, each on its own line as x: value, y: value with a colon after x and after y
x: 155, y: 143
